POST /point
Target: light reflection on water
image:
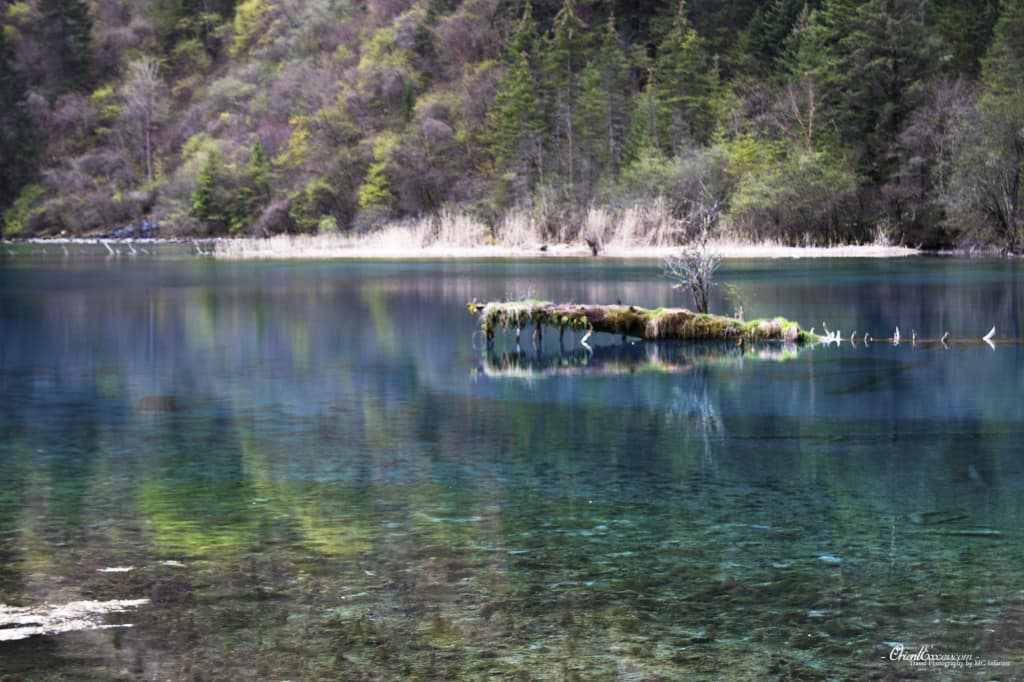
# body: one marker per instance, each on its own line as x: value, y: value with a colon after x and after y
x: 317, y: 472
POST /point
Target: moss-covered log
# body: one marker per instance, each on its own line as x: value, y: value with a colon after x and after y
x: 628, y: 320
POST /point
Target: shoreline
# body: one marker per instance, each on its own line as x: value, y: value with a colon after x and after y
x: 305, y: 247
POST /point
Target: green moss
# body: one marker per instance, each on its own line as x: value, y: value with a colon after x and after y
x: 659, y: 323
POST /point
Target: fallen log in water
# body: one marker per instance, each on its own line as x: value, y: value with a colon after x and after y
x: 628, y: 320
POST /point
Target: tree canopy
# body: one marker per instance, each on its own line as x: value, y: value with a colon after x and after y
x: 804, y: 120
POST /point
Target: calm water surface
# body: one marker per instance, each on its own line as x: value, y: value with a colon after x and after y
x: 314, y: 471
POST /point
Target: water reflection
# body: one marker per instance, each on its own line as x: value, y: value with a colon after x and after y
x: 629, y: 358
x: 311, y: 481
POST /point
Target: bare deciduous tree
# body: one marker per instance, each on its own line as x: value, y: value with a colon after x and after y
x: 694, y: 270
x: 985, y: 197
x: 142, y: 99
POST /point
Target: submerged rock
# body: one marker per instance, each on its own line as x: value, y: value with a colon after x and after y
x: 146, y: 228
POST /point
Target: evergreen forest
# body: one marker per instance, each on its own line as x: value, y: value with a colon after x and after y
x: 791, y: 121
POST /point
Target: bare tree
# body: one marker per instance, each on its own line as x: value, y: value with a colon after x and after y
x: 694, y: 270
x: 143, y: 92
x: 794, y: 112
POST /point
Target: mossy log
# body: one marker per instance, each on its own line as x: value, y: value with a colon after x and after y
x: 628, y: 320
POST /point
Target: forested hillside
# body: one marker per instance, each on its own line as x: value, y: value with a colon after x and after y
x: 817, y: 121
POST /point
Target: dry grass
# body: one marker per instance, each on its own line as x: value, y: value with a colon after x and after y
x: 640, y: 231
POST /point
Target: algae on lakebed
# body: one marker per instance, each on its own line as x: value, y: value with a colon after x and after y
x: 345, y: 501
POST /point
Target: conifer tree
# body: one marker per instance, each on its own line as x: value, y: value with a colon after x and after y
x: 564, y: 54
x: 884, y: 51
x: 1003, y: 65
x: 17, y: 135
x: 686, y: 84
x: 259, y: 171
x: 966, y: 29
x: 603, y: 105
x: 806, y: 68
x: 207, y: 205
x: 764, y: 38
x: 516, y: 122
x: 256, y: 190
x: 518, y: 129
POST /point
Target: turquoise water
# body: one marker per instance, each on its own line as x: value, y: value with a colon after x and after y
x: 316, y: 471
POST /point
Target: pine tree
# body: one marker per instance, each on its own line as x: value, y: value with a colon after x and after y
x: 603, y: 105
x: 17, y: 135
x: 764, y: 37
x: 255, y: 192
x: 805, y: 67
x: 517, y: 129
x: 523, y: 37
x: 686, y: 85
x: 563, y: 59
x: 966, y: 29
x: 516, y: 119
x: 259, y: 172
x: 1003, y: 65
x: 207, y: 204
x: 642, y: 137
x: 884, y: 51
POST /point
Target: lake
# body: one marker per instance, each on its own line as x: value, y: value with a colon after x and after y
x: 318, y: 471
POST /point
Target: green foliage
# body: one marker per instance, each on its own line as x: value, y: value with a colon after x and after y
x: 794, y: 200
x: 986, y: 195
x: 685, y: 86
x: 966, y: 30
x: 517, y: 128
x: 16, y: 218
x: 749, y: 154
x: 312, y: 207
x: 208, y: 205
x: 884, y: 53
x: 642, y: 137
x: 250, y: 24
x: 561, y: 59
x: 524, y: 35
x: 255, y: 190
x: 768, y: 30
x: 17, y: 134
x: 387, y: 76
x: 105, y: 102
x: 375, y: 190
x: 259, y: 171
x: 182, y: 21
x: 798, y: 119
x: 1003, y: 66
x: 603, y: 108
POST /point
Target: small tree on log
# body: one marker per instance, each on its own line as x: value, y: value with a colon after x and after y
x: 694, y: 270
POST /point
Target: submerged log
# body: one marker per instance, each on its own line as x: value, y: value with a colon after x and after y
x: 628, y: 320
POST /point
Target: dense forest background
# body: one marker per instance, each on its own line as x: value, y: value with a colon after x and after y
x: 800, y: 121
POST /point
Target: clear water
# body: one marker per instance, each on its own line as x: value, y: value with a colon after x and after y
x: 314, y: 471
